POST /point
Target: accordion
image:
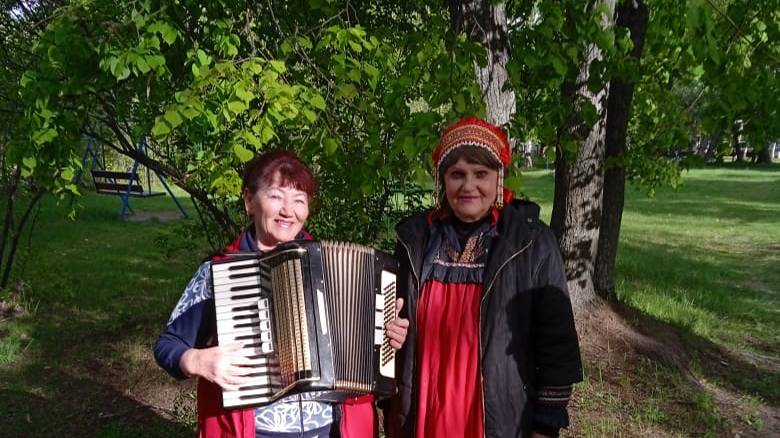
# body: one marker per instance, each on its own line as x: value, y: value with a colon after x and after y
x: 311, y: 316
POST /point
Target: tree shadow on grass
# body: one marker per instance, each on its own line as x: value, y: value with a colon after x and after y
x: 99, y: 290
x: 686, y: 292
x: 58, y: 404
x: 702, y: 201
x: 690, y: 278
x: 76, y: 381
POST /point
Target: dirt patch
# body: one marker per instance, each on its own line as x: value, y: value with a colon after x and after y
x: 11, y: 306
x: 10, y: 309
x: 640, y: 383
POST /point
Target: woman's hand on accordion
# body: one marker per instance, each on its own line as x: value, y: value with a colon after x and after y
x: 222, y: 365
x: 397, y: 328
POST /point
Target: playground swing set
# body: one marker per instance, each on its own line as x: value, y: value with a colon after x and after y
x: 126, y: 185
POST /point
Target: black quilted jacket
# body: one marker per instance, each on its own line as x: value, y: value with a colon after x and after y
x: 527, y: 333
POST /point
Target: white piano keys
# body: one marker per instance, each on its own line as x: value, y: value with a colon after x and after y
x: 243, y: 316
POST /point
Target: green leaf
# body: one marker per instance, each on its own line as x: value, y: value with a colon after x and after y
x: 588, y: 112
x: 310, y: 115
x: 173, y: 118
x: 267, y: 133
x: 46, y: 113
x: 371, y: 71
x: 122, y: 71
x: 558, y: 65
x: 160, y: 129
x: 330, y: 145
x: 203, y: 58
x: 72, y: 188
x: 286, y: 47
x: 27, y: 77
x: 44, y: 135
x: 67, y: 174
x: 243, y: 94
x: 237, y: 106
x: 460, y: 103
x: 142, y: 65
x: 254, y: 67
x: 189, y: 112
x: 346, y: 91
x: 278, y: 66
x: 318, y: 102
x: 155, y: 61
x: 242, y: 153
x: 169, y: 34
x: 354, y: 75
x: 29, y: 163
x: 251, y: 139
x: 409, y: 146
x: 304, y: 42
x: 605, y: 39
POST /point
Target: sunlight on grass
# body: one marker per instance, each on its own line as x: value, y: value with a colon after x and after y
x: 705, y: 257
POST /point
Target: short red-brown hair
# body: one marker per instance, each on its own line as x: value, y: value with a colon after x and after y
x: 281, y: 167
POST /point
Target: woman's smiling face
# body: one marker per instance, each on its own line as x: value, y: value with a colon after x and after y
x: 471, y: 189
x: 278, y: 213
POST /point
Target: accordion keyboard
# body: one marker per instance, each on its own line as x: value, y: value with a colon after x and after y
x: 311, y: 318
x: 243, y: 316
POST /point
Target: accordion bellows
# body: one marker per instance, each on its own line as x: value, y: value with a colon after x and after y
x: 311, y: 316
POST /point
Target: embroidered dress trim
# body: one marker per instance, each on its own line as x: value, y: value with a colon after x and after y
x: 448, y: 261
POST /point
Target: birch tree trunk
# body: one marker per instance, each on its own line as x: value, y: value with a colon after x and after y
x: 579, y: 181
x: 485, y: 22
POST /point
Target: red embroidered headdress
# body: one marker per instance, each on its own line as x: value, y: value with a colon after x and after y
x: 475, y: 132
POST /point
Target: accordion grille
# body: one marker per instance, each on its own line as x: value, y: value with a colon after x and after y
x: 349, y: 275
x: 291, y: 322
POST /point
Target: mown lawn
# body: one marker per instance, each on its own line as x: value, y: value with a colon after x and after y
x: 704, y: 259
x: 97, y: 291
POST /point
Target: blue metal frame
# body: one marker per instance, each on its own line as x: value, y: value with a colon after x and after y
x: 134, y: 177
x: 89, y: 150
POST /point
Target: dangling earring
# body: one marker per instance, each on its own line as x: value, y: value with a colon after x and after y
x: 500, y: 189
x: 436, y: 189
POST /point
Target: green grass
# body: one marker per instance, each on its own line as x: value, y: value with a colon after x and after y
x: 97, y: 290
x: 704, y: 259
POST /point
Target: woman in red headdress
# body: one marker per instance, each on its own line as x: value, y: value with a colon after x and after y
x: 492, y: 349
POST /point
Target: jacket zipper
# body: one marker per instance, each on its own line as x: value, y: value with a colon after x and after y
x: 411, y: 264
x: 479, y: 328
x: 416, y: 293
